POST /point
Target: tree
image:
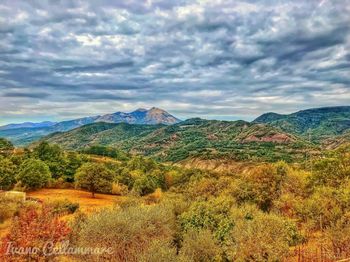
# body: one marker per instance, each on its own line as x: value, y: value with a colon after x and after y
x: 33, y: 174
x: 94, y: 177
x: 5, y: 146
x: 7, y: 174
x: 53, y: 156
x: 262, y: 185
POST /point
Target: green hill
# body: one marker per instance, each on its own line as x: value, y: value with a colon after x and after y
x: 208, y: 139
x: 317, y: 124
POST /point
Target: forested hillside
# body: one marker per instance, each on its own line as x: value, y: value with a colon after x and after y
x: 208, y: 139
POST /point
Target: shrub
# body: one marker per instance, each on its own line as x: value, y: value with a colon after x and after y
x: 33, y: 229
x: 258, y: 236
x: 146, y: 184
x: 128, y: 231
x: 338, y: 237
x: 8, y: 207
x: 213, y: 215
x: 160, y: 251
x: 199, y: 246
x: 63, y: 206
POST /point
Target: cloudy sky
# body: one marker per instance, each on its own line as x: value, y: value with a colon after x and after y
x: 223, y: 59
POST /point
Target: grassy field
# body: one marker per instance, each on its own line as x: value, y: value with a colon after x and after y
x: 86, y: 202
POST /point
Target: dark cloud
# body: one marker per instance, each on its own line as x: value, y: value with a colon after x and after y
x: 222, y: 58
x: 94, y: 68
x: 25, y: 95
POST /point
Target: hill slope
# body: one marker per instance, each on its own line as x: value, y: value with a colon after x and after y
x: 318, y: 123
x: 209, y: 139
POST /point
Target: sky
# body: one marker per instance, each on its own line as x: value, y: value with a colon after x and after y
x: 222, y: 59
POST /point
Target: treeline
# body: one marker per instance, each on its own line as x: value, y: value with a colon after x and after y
x: 48, y: 165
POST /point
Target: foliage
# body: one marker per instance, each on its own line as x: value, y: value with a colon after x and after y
x: 130, y: 232
x: 258, y: 236
x: 333, y: 169
x: 62, y: 206
x: 7, y: 174
x: 262, y: 185
x: 106, y: 151
x: 200, y: 246
x: 33, y: 174
x: 94, y: 177
x: 33, y: 229
x: 207, y: 139
x: 5, y: 146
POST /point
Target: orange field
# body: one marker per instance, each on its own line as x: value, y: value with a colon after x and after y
x: 86, y: 202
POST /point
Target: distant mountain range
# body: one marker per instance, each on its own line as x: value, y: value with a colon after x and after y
x: 25, y: 133
x: 28, y: 125
x: 156, y: 133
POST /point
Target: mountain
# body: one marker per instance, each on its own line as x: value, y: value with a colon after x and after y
x: 152, y: 116
x: 199, y: 138
x: 28, y: 125
x: 23, y: 134
x: 317, y: 124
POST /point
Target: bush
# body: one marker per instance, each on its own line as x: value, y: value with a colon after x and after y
x: 8, y: 207
x: 200, y: 246
x: 258, y: 236
x: 33, y: 228
x: 146, y: 184
x: 213, y: 215
x: 160, y: 251
x: 63, y: 206
x: 129, y: 231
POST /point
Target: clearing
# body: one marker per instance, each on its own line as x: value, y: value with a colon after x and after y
x: 86, y: 202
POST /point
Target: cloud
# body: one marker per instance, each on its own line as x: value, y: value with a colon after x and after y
x: 219, y: 58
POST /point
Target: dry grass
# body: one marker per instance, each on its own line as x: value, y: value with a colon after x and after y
x: 86, y: 202
x: 4, y: 228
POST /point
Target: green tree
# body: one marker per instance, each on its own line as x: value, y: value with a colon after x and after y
x: 53, y: 156
x: 94, y: 177
x: 5, y: 146
x: 7, y: 174
x: 34, y: 174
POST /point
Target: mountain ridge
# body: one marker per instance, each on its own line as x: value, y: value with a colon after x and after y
x: 239, y: 140
x: 152, y: 116
x: 316, y: 123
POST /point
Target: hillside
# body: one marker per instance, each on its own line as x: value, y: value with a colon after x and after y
x: 208, y: 139
x: 318, y: 123
x: 23, y: 134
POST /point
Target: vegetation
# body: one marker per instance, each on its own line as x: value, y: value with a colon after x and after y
x: 33, y: 174
x: 94, y: 177
x: 312, y: 123
x: 266, y: 210
x: 5, y: 146
x: 206, y: 139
